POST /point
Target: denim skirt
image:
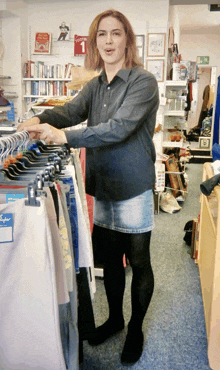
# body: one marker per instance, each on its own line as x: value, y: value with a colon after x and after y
x: 135, y: 215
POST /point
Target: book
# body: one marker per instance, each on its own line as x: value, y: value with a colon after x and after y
x: 30, y: 69
x: 68, y: 70
x: 42, y: 44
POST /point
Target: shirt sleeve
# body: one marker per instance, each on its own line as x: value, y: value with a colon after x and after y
x: 141, y: 102
x: 70, y: 114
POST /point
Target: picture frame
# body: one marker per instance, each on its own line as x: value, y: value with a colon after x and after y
x: 42, y: 43
x: 64, y: 32
x: 156, y: 67
x: 140, y: 40
x: 156, y: 44
x: 204, y: 142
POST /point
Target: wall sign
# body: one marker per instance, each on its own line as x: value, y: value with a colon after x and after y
x: 202, y: 60
x: 80, y: 45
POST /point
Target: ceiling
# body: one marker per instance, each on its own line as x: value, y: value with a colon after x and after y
x: 197, y: 18
x: 192, y: 2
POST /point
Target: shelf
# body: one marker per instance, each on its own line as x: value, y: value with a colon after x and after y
x: 173, y: 144
x: 38, y: 107
x: 5, y: 108
x: 180, y: 83
x: 47, y: 96
x: 46, y: 79
x: 7, y: 128
x: 4, y: 77
x: 173, y: 113
x: 10, y: 96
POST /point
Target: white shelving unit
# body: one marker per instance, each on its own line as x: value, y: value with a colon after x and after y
x: 174, y: 118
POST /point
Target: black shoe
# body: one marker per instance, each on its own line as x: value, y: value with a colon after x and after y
x: 105, y: 331
x: 133, y: 347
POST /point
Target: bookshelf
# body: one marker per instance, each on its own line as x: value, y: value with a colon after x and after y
x: 45, y: 81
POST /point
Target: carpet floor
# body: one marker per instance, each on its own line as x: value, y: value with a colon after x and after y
x: 174, y: 326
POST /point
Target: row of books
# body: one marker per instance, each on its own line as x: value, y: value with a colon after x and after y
x: 47, y: 88
x: 40, y: 69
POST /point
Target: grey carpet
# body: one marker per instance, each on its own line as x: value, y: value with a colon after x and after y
x: 174, y: 327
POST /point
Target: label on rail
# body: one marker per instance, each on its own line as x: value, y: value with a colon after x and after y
x: 6, y: 227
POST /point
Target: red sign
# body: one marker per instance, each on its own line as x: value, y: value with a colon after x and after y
x: 80, y: 45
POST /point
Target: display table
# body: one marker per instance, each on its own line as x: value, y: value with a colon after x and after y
x: 209, y: 266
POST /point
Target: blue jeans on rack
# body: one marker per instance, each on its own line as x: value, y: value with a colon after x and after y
x: 71, y: 205
x: 68, y: 316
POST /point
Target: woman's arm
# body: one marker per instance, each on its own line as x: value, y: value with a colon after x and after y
x: 70, y: 114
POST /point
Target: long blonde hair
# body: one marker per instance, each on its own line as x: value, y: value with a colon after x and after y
x: 93, y: 60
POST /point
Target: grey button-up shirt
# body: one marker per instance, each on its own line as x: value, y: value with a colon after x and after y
x: 121, y: 119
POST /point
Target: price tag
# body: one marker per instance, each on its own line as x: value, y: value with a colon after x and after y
x: 6, y: 227
x: 13, y: 197
x: 80, y: 45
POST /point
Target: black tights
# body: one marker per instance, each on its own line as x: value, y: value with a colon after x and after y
x: 111, y: 245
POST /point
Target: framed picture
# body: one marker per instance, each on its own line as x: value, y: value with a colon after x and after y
x: 42, y: 43
x: 204, y: 142
x: 156, y: 67
x: 140, y: 47
x: 64, y: 32
x: 156, y: 44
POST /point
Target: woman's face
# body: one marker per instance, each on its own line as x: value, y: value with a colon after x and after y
x: 111, y: 42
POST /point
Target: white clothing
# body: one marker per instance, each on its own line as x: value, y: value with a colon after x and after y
x: 29, y: 319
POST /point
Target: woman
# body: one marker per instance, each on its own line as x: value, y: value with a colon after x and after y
x: 120, y: 106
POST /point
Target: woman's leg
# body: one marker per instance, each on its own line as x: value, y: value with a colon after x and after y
x: 109, y: 247
x: 138, y: 253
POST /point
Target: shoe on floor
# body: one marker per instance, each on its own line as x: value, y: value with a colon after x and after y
x: 105, y: 331
x: 133, y: 347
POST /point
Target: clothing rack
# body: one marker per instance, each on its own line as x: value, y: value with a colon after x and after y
x: 37, y: 186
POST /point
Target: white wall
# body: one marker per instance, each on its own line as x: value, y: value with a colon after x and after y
x: 21, y: 19
x: 11, y: 62
x: 79, y: 15
x: 201, y: 43
x: 174, y: 22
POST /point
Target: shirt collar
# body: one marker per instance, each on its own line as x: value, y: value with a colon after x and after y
x: 123, y: 74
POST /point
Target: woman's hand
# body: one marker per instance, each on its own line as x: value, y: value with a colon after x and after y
x: 47, y: 133
x: 32, y: 121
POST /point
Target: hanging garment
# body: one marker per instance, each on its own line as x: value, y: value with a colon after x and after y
x: 205, y: 103
x: 84, y: 247
x: 30, y: 334
x: 65, y: 242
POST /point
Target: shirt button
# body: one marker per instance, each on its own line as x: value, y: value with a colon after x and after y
x: 108, y: 87
x: 104, y: 105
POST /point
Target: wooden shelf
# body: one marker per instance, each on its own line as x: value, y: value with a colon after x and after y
x: 209, y: 266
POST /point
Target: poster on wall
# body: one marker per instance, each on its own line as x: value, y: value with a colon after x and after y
x: 156, y: 44
x: 80, y: 45
x: 42, y: 43
x: 64, y: 32
x: 156, y: 67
